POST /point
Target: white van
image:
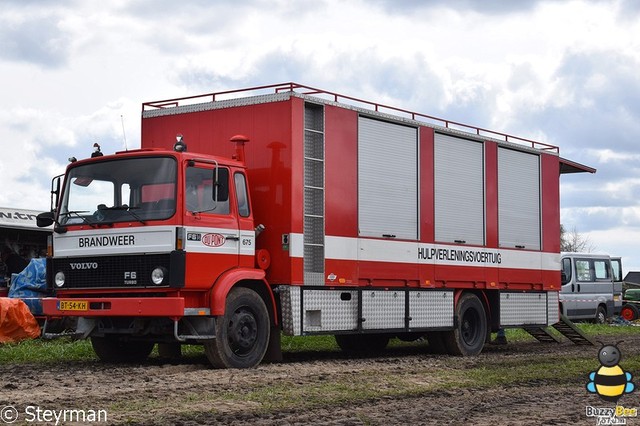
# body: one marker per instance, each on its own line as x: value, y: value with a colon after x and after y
x: 587, y: 287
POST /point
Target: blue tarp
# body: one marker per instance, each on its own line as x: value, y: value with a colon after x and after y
x: 30, y: 285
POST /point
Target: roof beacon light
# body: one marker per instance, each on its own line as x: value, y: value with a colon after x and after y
x: 96, y: 151
x: 179, y: 146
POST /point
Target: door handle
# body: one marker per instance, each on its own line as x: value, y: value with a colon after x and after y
x: 232, y: 238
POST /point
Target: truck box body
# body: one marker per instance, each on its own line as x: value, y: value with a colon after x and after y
x: 355, y: 197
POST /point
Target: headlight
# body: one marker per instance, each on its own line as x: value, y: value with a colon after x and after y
x: 59, y: 279
x: 158, y: 275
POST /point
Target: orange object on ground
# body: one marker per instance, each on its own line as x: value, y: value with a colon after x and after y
x: 16, y: 321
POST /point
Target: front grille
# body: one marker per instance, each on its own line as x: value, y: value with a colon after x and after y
x: 112, y: 271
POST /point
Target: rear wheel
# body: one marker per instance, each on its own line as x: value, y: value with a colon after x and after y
x: 362, y: 343
x: 242, y: 334
x: 629, y: 312
x: 471, y: 330
x: 115, y: 349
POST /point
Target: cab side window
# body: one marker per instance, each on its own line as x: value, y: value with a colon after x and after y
x: 200, y: 188
x: 241, y: 193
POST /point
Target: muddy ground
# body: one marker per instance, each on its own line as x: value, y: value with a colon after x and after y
x: 188, y: 392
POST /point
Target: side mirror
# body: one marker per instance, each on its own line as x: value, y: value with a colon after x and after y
x: 55, y: 191
x: 44, y: 219
x: 563, y: 278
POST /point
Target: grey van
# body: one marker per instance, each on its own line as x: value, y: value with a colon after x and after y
x: 587, y: 291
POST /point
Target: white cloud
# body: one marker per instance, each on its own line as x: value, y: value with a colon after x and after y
x: 560, y: 72
x: 618, y: 241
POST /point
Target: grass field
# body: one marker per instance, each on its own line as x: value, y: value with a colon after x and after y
x: 67, y: 350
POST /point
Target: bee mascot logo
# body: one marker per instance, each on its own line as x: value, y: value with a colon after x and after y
x: 610, y: 381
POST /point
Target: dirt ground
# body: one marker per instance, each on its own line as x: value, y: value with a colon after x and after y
x: 188, y: 392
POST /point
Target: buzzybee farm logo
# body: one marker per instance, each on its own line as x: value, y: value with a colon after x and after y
x: 610, y: 382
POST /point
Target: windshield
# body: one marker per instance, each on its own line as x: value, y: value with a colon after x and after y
x: 134, y: 189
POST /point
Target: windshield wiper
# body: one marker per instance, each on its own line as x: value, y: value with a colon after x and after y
x: 76, y: 213
x: 128, y: 210
x: 194, y: 212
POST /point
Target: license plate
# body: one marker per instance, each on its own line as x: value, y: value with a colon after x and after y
x: 73, y: 305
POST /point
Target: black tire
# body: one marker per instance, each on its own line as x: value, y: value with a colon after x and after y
x: 362, y: 343
x: 115, y: 349
x: 601, y: 315
x: 242, y: 334
x: 468, y: 338
x: 629, y: 312
x: 436, y: 342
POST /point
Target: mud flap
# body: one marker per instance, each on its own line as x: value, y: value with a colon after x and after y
x: 171, y: 351
x: 274, y: 350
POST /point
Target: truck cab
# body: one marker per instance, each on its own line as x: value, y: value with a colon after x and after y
x: 144, y: 244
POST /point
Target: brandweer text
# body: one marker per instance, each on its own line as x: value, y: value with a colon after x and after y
x: 116, y: 240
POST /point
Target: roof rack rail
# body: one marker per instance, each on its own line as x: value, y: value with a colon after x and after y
x: 336, y: 97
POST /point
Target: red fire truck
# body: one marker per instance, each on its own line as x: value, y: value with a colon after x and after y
x: 289, y: 209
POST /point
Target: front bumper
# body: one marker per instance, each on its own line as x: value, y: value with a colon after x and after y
x: 114, y: 307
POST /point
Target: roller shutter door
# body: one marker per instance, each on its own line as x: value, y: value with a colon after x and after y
x: 459, y: 190
x: 519, y: 199
x: 387, y: 179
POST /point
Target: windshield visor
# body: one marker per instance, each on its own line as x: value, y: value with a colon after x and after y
x: 134, y: 189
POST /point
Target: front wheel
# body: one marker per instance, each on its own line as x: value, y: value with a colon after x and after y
x: 468, y: 337
x: 242, y: 333
x: 115, y: 349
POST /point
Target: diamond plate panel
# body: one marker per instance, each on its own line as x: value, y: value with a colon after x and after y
x: 553, y: 308
x: 383, y: 309
x: 313, y: 278
x: 330, y: 310
x: 290, y: 305
x: 207, y: 106
x: 523, y: 308
x: 431, y: 309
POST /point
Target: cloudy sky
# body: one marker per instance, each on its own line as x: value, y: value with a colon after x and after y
x: 75, y: 72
